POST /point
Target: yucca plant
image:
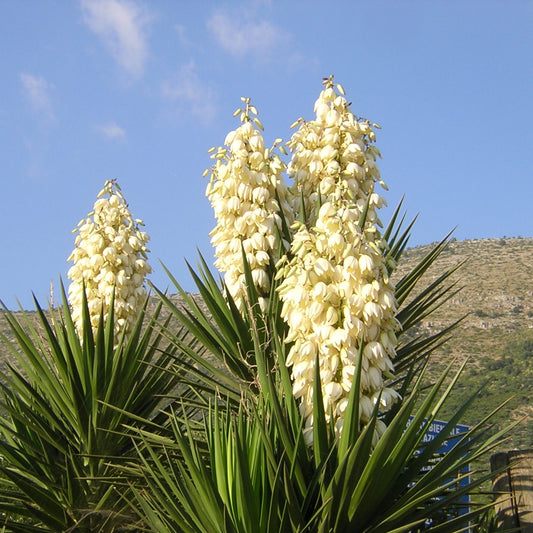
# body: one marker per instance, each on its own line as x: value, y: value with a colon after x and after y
x: 248, y: 468
x: 323, y: 401
x: 64, y: 411
x: 297, y: 402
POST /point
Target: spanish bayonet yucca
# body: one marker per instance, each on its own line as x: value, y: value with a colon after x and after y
x: 333, y: 318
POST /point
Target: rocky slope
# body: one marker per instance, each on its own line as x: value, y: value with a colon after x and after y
x: 496, y: 335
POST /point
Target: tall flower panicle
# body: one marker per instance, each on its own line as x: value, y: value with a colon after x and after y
x: 248, y: 194
x: 110, y: 257
x: 336, y: 293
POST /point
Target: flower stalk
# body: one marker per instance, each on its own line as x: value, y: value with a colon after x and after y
x: 336, y: 292
x: 248, y: 195
x: 110, y: 263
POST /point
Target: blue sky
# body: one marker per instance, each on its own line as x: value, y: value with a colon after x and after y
x: 140, y: 90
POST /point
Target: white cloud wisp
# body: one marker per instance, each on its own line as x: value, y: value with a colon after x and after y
x: 189, y: 91
x: 257, y: 39
x: 112, y: 131
x: 122, y: 26
x: 37, y: 91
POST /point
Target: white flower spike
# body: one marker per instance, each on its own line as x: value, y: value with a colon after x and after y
x: 110, y: 255
x: 335, y: 289
x: 245, y: 190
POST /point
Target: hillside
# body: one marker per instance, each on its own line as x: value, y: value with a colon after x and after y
x: 496, y: 293
x: 497, y: 333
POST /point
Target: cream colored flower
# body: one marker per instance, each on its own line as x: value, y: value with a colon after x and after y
x: 245, y: 190
x: 109, y: 257
x: 336, y: 293
x: 334, y: 158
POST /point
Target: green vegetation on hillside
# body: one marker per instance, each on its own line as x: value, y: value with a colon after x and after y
x: 496, y: 335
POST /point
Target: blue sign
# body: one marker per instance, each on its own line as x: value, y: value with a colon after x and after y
x: 455, y: 436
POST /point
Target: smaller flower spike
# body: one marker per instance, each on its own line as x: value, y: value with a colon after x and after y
x: 110, y: 255
x: 248, y: 194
